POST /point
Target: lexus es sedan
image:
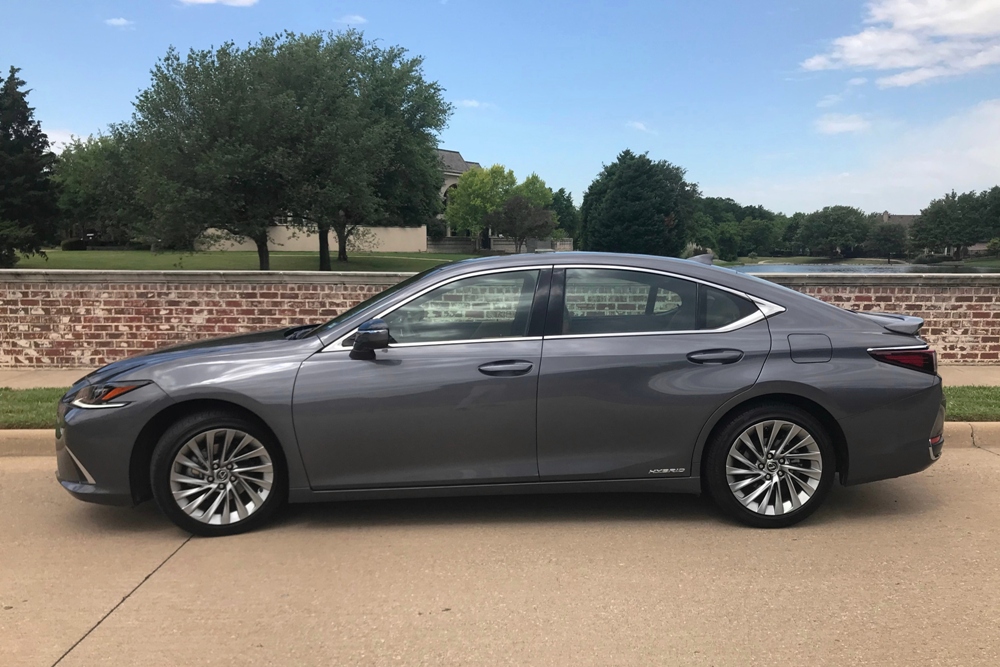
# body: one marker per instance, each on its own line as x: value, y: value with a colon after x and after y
x: 545, y: 373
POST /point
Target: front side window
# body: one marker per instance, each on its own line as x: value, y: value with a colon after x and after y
x: 609, y: 301
x: 496, y: 305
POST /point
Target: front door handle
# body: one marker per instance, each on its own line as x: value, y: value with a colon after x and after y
x: 716, y: 356
x: 506, y: 368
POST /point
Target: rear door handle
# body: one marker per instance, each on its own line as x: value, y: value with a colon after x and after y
x: 506, y: 368
x: 715, y: 356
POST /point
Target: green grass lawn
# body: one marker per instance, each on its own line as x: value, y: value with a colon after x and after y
x: 230, y: 261
x: 36, y: 408
x: 29, y: 408
x: 814, y: 260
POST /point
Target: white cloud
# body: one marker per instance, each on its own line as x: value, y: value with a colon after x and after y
x: 231, y: 3
x: 857, y: 81
x: 119, y: 23
x: 838, y: 123
x: 829, y: 101
x: 642, y: 127
x: 902, y: 175
x: 921, y: 39
x: 353, y: 19
x: 58, y: 139
x: 473, y: 104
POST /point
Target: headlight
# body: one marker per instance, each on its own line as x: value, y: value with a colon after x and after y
x: 105, y: 395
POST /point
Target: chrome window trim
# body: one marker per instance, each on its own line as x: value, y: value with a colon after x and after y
x: 765, y: 309
x: 338, y: 344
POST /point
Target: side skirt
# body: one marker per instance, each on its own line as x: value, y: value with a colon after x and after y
x: 669, y: 485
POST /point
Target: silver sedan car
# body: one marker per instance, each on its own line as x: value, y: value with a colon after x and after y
x: 546, y: 373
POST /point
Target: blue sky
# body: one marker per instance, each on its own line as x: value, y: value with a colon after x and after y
x: 793, y: 104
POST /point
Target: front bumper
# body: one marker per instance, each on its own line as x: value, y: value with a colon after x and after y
x: 94, y: 447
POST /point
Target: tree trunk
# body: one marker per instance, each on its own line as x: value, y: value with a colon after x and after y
x: 342, y: 246
x: 324, y: 246
x: 263, y: 256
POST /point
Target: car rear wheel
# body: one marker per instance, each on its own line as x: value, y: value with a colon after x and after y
x: 216, y: 474
x: 770, y: 466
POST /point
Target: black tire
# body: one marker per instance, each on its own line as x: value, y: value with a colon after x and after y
x: 180, y: 434
x: 717, y: 480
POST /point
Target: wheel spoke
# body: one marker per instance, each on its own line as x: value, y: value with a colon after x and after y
x: 736, y: 486
x: 263, y: 467
x: 249, y: 455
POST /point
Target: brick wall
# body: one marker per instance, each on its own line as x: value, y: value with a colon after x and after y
x: 86, y: 318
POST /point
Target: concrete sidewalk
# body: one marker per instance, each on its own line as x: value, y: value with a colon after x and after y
x: 20, y: 378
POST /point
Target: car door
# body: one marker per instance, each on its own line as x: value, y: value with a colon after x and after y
x: 633, y: 365
x: 451, y: 401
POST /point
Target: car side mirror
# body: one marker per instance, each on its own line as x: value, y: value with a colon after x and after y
x: 372, y: 335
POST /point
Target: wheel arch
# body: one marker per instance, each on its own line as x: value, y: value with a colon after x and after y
x: 145, y: 442
x: 810, y: 405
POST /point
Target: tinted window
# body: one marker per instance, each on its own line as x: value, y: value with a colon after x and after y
x: 723, y: 308
x: 496, y: 305
x: 601, y: 301
x: 615, y: 301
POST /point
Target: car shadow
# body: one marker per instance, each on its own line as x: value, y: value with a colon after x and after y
x: 894, y: 498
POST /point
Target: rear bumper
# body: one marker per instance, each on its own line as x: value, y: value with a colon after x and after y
x: 892, y: 441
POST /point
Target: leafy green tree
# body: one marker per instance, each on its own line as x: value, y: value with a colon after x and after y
x: 28, y: 195
x: 886, y: 239
x: 834, y: 231
x: 521, y: 219
x: 535, y: 191
x: 567, y: 214
x: 993, y: 247
x: 479, y: 193
x: 759, y: 236
x: 954, y: 221
x: 99, y: 189
x: 218, y: 136
x: 729, y: 239
x: 367, y: 126
x: 638, y: 205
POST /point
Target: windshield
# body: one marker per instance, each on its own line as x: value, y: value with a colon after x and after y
x: 367, y: 303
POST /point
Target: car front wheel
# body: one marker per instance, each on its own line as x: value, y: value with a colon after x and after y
x: 770, y: 466
x: 217, y: 474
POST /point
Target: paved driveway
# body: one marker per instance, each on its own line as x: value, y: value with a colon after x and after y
x: 897, y: 573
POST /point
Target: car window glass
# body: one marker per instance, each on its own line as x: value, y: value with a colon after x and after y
x: 496, y: 305
x: 723, y: 308
x: 599, y: 301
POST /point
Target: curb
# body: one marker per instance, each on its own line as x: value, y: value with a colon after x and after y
x: 41, y: 442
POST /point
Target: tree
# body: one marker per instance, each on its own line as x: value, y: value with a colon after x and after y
x: 533, y: 189
x: 521, y: 219
x: 834, y: 231
x: 28, y: 196
x: 479, y: 193
x: 99, y: 190
x: 758, y: 236
x: 217, y: 137
x: 638, y: 205
x: 954, y: 221
x: 567, y: 214
x: 886, y: 239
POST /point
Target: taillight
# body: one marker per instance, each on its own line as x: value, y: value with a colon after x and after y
x: 924, y: 360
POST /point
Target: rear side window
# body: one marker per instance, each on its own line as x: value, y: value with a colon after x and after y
x: 607, y: 301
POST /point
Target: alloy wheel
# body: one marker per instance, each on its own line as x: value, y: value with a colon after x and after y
x: 221, y: 476
x: 774, y: 467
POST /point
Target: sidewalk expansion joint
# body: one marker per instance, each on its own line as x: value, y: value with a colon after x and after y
x: 122, y: 601
x: 972, y: 429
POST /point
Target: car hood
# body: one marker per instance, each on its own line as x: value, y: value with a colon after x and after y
x: 251, y: 345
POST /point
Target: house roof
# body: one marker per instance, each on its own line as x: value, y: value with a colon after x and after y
x: 905, y: 220
x: 454, y: 163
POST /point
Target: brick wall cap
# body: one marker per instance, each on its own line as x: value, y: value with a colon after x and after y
x: 71, y: 276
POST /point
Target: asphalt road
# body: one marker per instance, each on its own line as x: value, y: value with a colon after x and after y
x: 904, y: 572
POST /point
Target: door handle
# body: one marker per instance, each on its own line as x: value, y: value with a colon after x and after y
x: 715, y: 356
x: 506, y: 368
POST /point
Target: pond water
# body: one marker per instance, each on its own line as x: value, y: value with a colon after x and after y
x: 861, y: 268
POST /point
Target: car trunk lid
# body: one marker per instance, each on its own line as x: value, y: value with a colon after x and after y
x: 901, y: 324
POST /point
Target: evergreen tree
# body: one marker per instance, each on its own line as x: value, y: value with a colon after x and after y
x: 638, y: 205
x: 567, y: 215
x: 28, y: 197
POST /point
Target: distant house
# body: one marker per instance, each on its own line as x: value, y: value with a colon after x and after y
x: 896, y: 219
x: 454, y: 166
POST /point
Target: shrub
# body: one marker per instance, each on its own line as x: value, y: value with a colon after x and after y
x: 931, y: 259
x: 73, y: 244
